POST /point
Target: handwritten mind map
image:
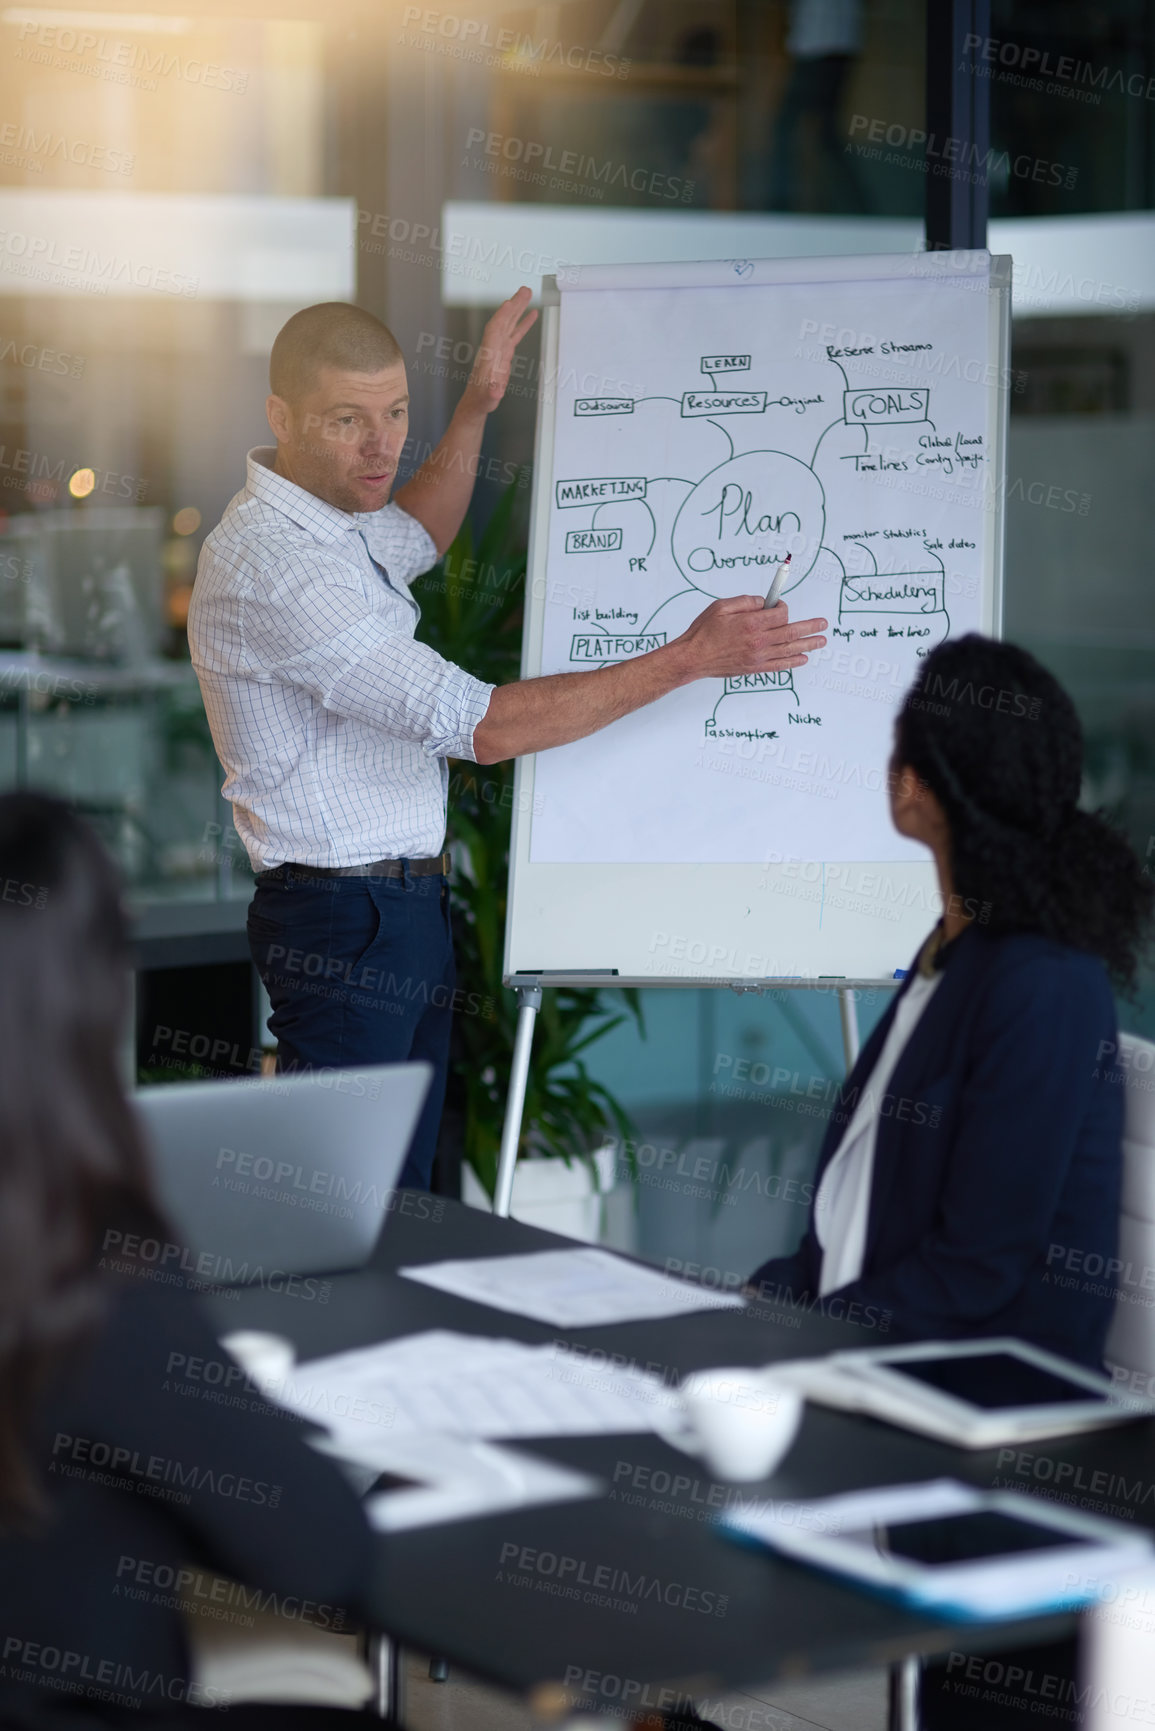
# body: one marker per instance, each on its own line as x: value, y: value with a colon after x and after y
x: 866, y: 458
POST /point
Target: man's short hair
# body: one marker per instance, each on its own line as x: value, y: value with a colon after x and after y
x: 333, y: 334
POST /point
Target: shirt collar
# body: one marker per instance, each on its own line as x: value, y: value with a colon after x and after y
x: 322, y: 520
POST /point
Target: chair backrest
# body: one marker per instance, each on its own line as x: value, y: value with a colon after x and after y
x: 1131, y: 1342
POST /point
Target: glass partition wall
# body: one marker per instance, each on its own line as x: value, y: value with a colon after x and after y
x: 175, y: 181
x: 165, y: 202
x: 1073, y: 108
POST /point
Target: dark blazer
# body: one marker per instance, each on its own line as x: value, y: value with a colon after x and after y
x: 158, y: 1456
x: 998, y: 1161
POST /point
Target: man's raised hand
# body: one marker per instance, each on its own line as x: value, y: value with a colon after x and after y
x: 490, y: 373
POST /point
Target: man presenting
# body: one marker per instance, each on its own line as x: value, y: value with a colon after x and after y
x: 334, y: 724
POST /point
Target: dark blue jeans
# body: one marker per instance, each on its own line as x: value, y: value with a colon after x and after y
x: 359, y: 971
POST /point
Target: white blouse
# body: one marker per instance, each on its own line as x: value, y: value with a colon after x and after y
x: 842, y: 1206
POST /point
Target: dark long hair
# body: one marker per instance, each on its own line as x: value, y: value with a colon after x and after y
x: 997, y: 740
x: 71, y: 1154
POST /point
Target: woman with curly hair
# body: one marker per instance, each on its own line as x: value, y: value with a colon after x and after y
x: 977, y: 1142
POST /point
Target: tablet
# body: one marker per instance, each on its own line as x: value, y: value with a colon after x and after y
x: 974, y: 1393
x: 949, y: 1547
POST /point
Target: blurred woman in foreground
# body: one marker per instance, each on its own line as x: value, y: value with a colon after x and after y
x: 111, y: 1478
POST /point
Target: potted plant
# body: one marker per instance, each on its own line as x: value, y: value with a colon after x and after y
x: 471, y: 613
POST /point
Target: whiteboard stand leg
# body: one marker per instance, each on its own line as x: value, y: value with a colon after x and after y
x: 528, y: 1004
x: 848, y: 1009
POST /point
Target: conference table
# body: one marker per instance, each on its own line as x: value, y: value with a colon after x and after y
x: 653, y: 1606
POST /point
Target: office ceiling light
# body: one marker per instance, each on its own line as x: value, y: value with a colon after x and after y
x: 135, y: 23
x: 187, y: 520
x: 82, y: 483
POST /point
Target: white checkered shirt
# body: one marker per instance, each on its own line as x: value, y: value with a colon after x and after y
x: 332, y: 723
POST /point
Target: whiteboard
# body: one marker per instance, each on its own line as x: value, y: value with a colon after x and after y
x: 697, y: 423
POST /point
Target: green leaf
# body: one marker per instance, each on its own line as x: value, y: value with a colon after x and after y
x: 471, y: 612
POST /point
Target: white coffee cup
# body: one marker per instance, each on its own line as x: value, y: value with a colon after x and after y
x: 742, y: 1421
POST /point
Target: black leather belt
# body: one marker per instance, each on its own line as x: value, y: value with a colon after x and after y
x: 379, y: 868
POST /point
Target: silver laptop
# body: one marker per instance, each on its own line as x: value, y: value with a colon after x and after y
x: 283, y: 1175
